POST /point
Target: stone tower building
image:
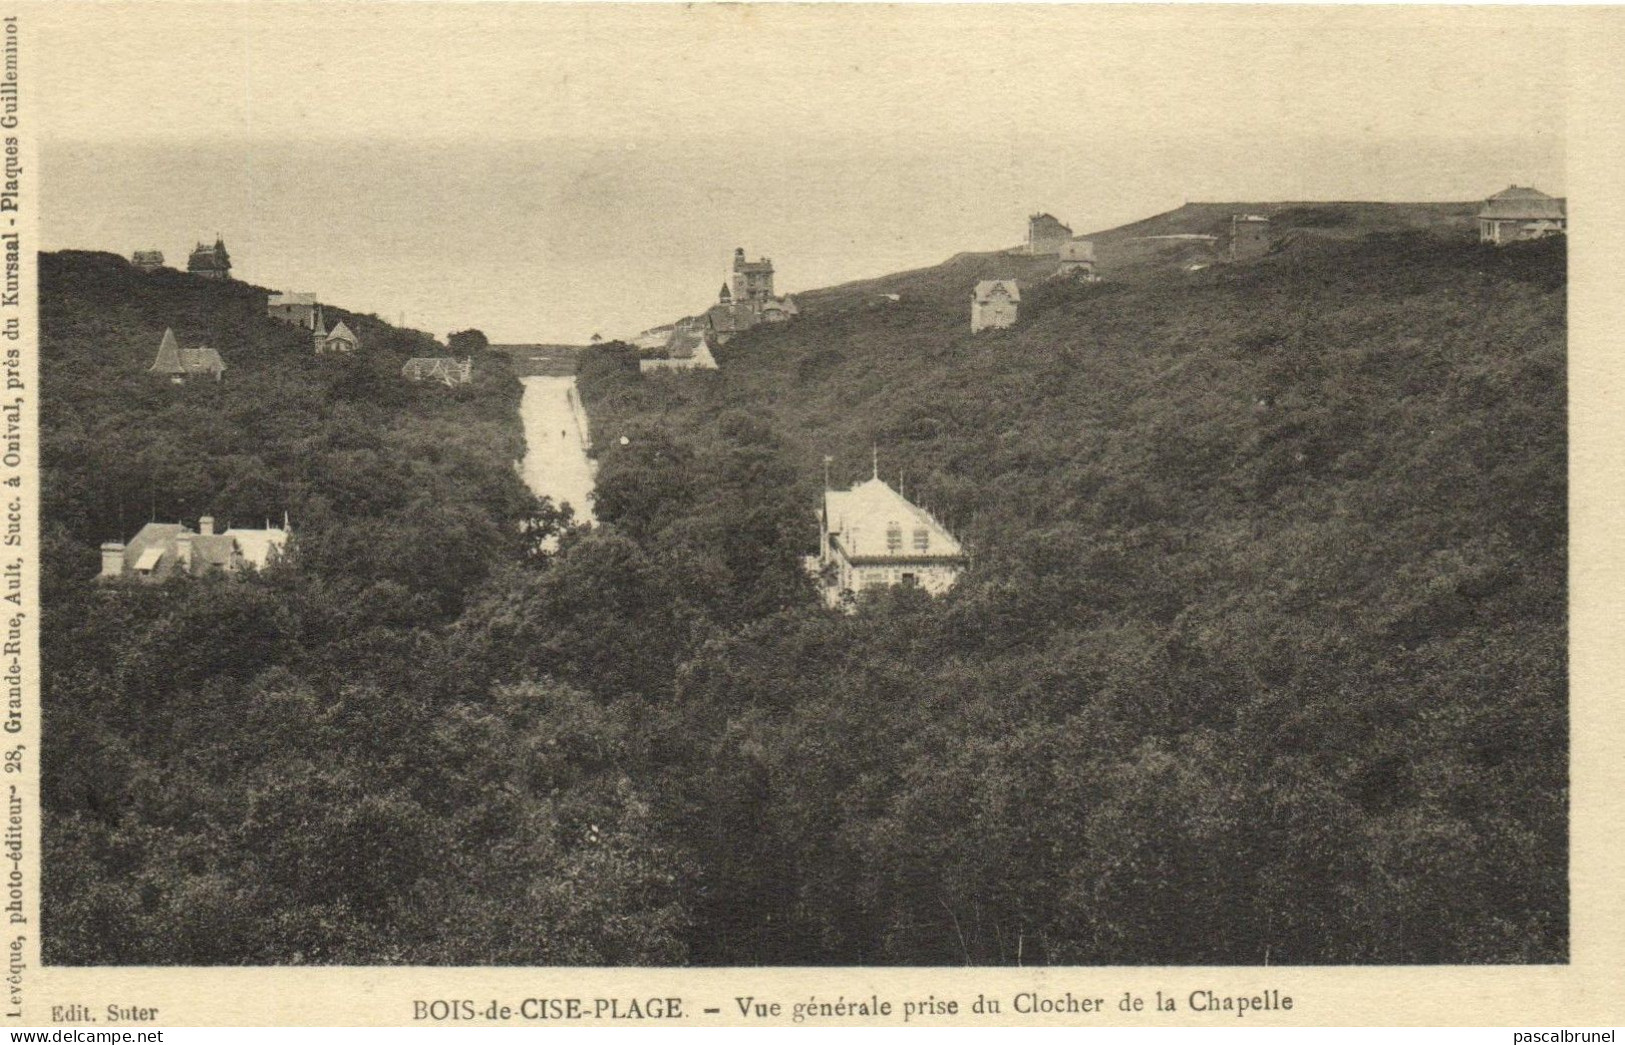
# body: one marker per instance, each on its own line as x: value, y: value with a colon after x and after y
x: 753, y: 280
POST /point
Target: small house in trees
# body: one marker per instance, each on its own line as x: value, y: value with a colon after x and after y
x: 687, y: 349
x: 210, y: 262
x: 994, y: 304
x: 339, y: 339
x: 178, y: 364
x: 1519, y: 213
x: 148, y: 260
x: 872, y: 537
x: 446, y: 370
x: 160, y: 551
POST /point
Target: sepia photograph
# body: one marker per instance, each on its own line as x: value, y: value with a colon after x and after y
x: 786, y: 486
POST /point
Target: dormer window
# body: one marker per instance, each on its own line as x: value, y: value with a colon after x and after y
x: 894, y: 538
x: 922, y: 540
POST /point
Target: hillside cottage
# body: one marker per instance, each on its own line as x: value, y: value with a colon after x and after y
x: 1077, y: 260
x: 994, y: 303
x: 446, y: 370
x: 178, y: 364
x: 210, y: 262
x: 297, y: 309
x: 340, y: 339
x: 1046, y: 234
x: 148, y: 260
x: 1519, y: 213
x: 164, y: 550
x: 686, y: 349
x: 872, y: 537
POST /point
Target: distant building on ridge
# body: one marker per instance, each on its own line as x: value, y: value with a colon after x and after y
x: 1519, y: 213
x: 210, y: 262
x: 872, y: 537
x: 1046, y: 234
x: 339, y: 339
x: 747, y: 300
x: 148, y: 260
x: 1249, y: 236
x: 994, y: 303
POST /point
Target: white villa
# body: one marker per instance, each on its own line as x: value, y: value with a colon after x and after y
x: 994, y: 304
x: 873, y: 537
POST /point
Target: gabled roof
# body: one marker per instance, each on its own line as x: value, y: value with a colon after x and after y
x: 341, y: 332
x: 204, y: 360
x: 1517, y: 202
x: 986, y: 288
x: 148, y: 547
x: 212, y: 550
x: 860, y: 519
x: 169, y: 356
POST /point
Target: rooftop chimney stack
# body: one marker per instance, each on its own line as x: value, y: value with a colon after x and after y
x: 205, y: 526
x: 112, y: 559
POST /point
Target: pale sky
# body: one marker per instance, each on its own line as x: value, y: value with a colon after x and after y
x: 544, y: 171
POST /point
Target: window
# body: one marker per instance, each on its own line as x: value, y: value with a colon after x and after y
x: 894, y: 538
x: 910, y: 580
x: 922, y: 540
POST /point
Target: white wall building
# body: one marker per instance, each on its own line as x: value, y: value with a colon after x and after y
x: 994, y: 304
x: 872, y: 537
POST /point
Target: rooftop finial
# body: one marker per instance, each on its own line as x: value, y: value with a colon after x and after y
x: 874, y: 452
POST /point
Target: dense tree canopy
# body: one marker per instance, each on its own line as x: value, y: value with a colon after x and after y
x: 1260, y: 657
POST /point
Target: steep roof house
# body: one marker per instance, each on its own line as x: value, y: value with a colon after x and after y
x: 873, y: 537
x: 340, y: 339
x: 1519, y: 213
x: 178, y: 364
x: 210, y: 262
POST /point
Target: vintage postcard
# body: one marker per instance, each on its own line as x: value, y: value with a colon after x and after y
x: 704, y: 515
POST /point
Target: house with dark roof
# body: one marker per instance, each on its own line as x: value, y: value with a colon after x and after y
x: 873, y: 537
x: 210, y: 262
x: 178, y: 364
x: 148, y: 260
x: 1520, y: 212
x: 160, y: 551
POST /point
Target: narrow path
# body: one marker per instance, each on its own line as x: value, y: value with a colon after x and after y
x: 556, y: 464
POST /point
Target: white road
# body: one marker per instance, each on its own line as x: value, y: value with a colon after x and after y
x: 556, y: 464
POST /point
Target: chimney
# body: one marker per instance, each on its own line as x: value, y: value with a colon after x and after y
x: 183, y: 550
x: 112, y: 559
x: 205, y: 526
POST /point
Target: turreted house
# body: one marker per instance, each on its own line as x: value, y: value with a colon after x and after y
x: 210, y: 262
x: 994, y: 304
x: 752, y: 280
x: 1519, y: 213
x: 872, y: 537
x: 339, y: 339
x: 178, y: 364
x: 747, y: 300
